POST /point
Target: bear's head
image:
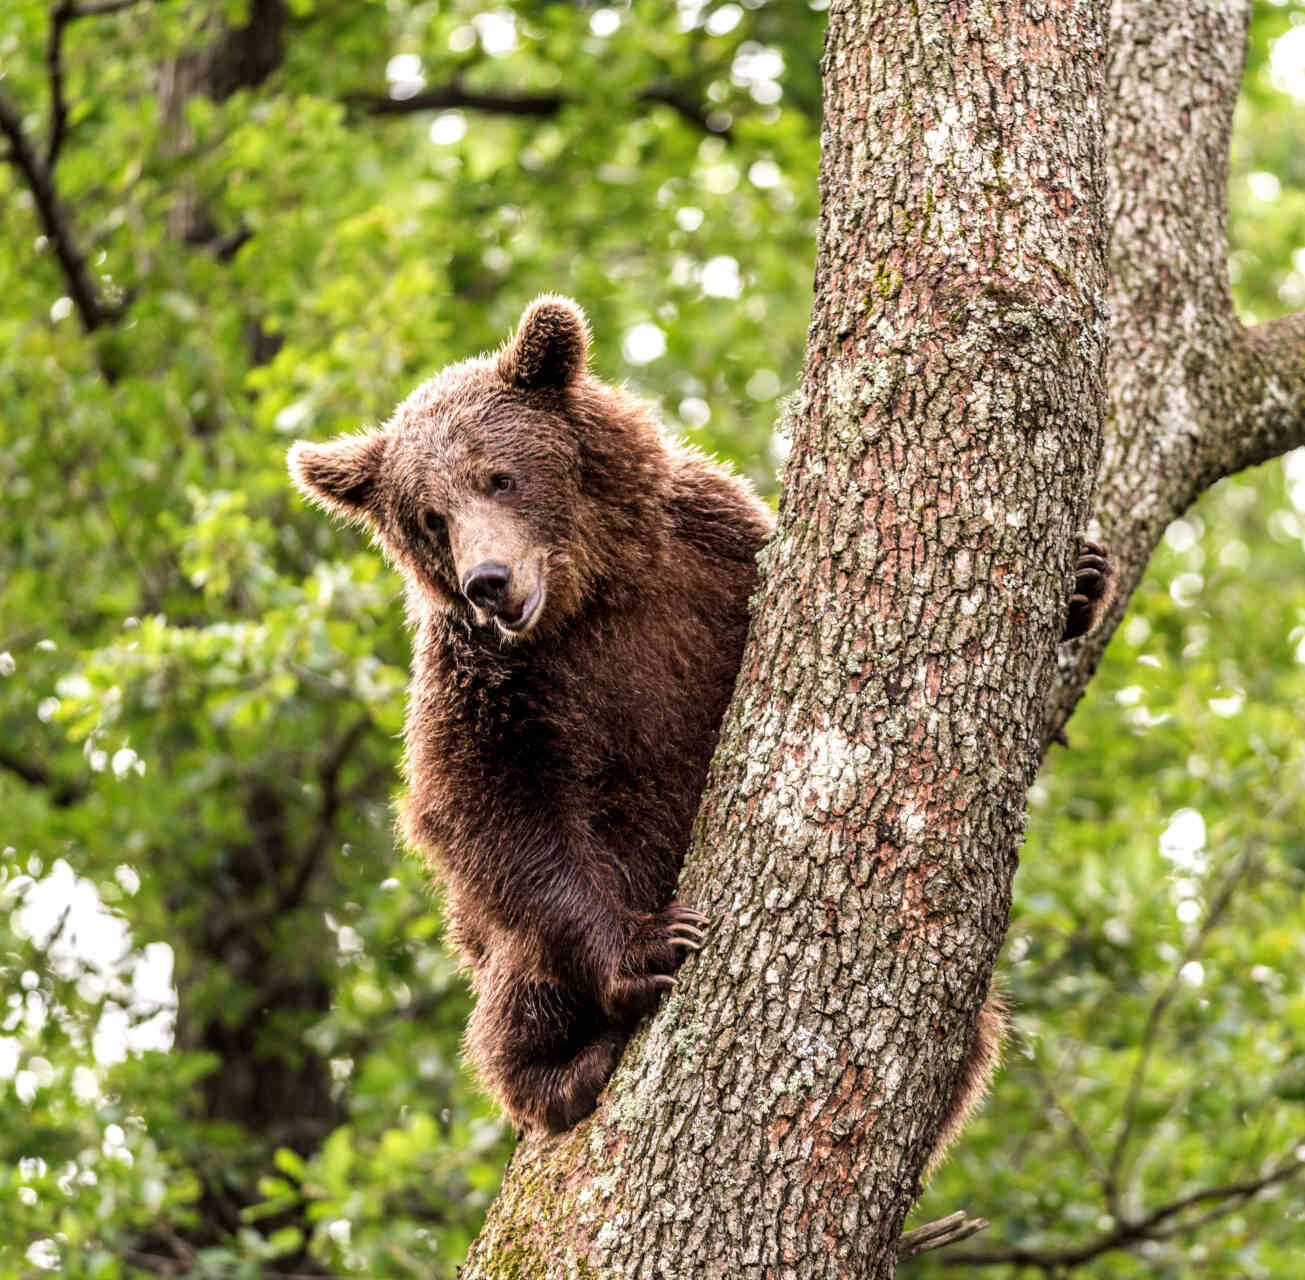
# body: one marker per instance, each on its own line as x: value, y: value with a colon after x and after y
x: 504, y: 487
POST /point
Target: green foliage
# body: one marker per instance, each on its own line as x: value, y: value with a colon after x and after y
x: 237, y: 1052
x: 1266, y: 188
x: 206, y: 683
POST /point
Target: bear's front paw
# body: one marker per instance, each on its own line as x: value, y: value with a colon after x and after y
x: 1093, y: 590
x: 655, y: 950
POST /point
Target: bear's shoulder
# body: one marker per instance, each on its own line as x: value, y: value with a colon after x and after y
x: 713, y: 510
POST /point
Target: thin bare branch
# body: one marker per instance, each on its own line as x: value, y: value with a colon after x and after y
x: 1156, y: 1225
x: 938, y: 1234
x: 60, y: 16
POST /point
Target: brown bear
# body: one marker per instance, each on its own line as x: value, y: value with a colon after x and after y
x: 578, y: 587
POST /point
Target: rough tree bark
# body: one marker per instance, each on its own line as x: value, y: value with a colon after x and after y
x: 1193, y: 395
x: 858, y: 838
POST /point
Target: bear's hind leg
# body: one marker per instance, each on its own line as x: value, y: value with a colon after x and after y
x: 544, y: 1053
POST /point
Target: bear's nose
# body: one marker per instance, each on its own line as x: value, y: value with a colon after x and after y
x: 485, y: 584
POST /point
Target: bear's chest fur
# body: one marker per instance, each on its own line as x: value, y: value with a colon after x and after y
x: 606, y: 728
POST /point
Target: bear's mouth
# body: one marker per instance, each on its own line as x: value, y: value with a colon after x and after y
x: 529, y: 610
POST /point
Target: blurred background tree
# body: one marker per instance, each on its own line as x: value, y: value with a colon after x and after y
x: 229, y: 1039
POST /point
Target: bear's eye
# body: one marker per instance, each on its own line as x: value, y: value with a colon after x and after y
x: 432, y: 522
x: 502, y: 483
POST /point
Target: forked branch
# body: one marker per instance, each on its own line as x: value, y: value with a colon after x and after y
x: 38, y: 170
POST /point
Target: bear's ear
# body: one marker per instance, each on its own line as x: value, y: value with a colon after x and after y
x: 342, y: 476
x: 551, y: 345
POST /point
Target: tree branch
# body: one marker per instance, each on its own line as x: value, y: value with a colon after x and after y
x: 687, y: 107
x: 1226, y: 1198
x: 38, y: 172
x: 938, y: 1234
x: 1273, y: 373
x: 92, y: 310
x: 97, y: 10
x: 536, y: 105
x: 1179, y: 406
x: 62, y: 793
x: 62, y: 14
x: 453, y: 96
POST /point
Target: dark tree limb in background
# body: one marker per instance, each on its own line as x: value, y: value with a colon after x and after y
x: 450, y: 97
x: 92, y: 309
x: 538, y: 105
x: 63, y: 792
x: 60, y: 16
x: 1158, y: 1224
x: 688, y: 107
x: 235, y: 58
x: 63, y: 13
x: 239, y: 57
x: 38, y: 171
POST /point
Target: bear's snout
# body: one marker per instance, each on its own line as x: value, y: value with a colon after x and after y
x: 496, y: 592
x: 486, y: 585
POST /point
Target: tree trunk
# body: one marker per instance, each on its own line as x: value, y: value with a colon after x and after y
x: 858, y: 838
x: 856, y: 848
x: 1193, y: 396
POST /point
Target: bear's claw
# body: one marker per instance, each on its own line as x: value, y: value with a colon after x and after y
x: 1093, y: 590
x: 657, y: 948
x: 686, y: 927
x: 678, y: 912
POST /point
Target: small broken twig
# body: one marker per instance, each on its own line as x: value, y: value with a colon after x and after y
x: 939, y: 1233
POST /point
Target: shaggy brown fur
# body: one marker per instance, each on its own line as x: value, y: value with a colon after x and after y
x: 579, y: 592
